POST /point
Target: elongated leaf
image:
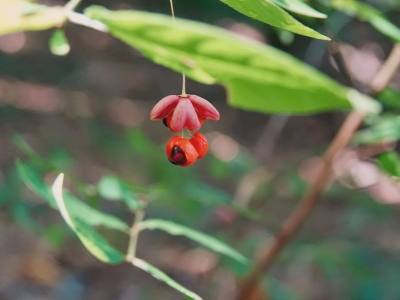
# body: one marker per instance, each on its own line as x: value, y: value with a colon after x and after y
x: 384, y: 128
x: 20, y: 15
x: 300, y: 7
x: 34, y: 181
x: 93, y: 242
x: 91, y: 216
x: 258, y: 78
x: 201, y: 238
x: 77, y: 209
x: 369, y: 14
x: 113, y: 188
x: 268, y: 12
x: 160, y: 275
x: 390, y: 99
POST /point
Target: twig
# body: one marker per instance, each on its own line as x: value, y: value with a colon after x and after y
x: 387, y: 71
x: 271, y: 132
x: 264, y: 148
x: 134, y: 235
x: 300, y: 215
x: 295, y: 221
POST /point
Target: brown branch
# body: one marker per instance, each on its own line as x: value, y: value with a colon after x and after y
x: 296, y: 220
x: 387, y: 71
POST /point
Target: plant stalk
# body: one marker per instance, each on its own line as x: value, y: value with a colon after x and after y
x: 134, y: 235
x: 300, y: 215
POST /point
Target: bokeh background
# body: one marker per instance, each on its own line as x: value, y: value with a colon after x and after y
x: 87, y: 114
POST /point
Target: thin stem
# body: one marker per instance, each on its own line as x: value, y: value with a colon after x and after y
x: 134, y: 235
x: 183, y: 93
x: 183, y: 84
x: 263, y: 151
x: 171, y: 3
x: 387, y: 71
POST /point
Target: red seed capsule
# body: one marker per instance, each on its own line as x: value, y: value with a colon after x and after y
x: 181, y: 152
x: 200, y: 143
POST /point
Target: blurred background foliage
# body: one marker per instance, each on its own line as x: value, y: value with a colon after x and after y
x: 86, y: 114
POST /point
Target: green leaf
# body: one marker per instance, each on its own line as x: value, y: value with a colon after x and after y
x: 160, y: 275
x: 93, y: 242
x: 20, y: 15
x: 390, y: 98
x: 258, y: 77
x: 299, y: 7
x: 385, y: 128
x: 390, y: 163
x: 35, y: 182
x: 201, y: 238
x: 113, y: 188
x: 77, y: 208
x: 91, y: 216
x: 369, y: 14
x: 58, y: 43
x: 268, y: 12
x: 23, y: 146
x: 364, y: 103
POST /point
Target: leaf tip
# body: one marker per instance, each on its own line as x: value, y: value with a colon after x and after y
x: 324, y: 37
x: 59, y: 44
x: 57, y: 190
x: 58, y: 185
x: 363, y: 103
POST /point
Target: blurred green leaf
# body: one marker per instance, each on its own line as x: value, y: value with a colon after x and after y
x: 109, y: 187
x: 300, y: 7
x: 35, y: 182
x: 204, y: 193
x: 55, y: 234
x: 10, y: 188
x: 22, y: 215
x: 20, y: 15
x: 369, y: 14
x: 160, y: 275
x: 93, y: 242
x: 258, y: 77
x: 201, y: 238
x: 269, y: 12
x: 78, y: 209
x: 385, y: 128
x: 278, y: 290
x: 390, y: 98
x: 23, y: 145
x: 91, y: 216
x: 113, y: 188
x: 58, y: 43
x: 390, y: 163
